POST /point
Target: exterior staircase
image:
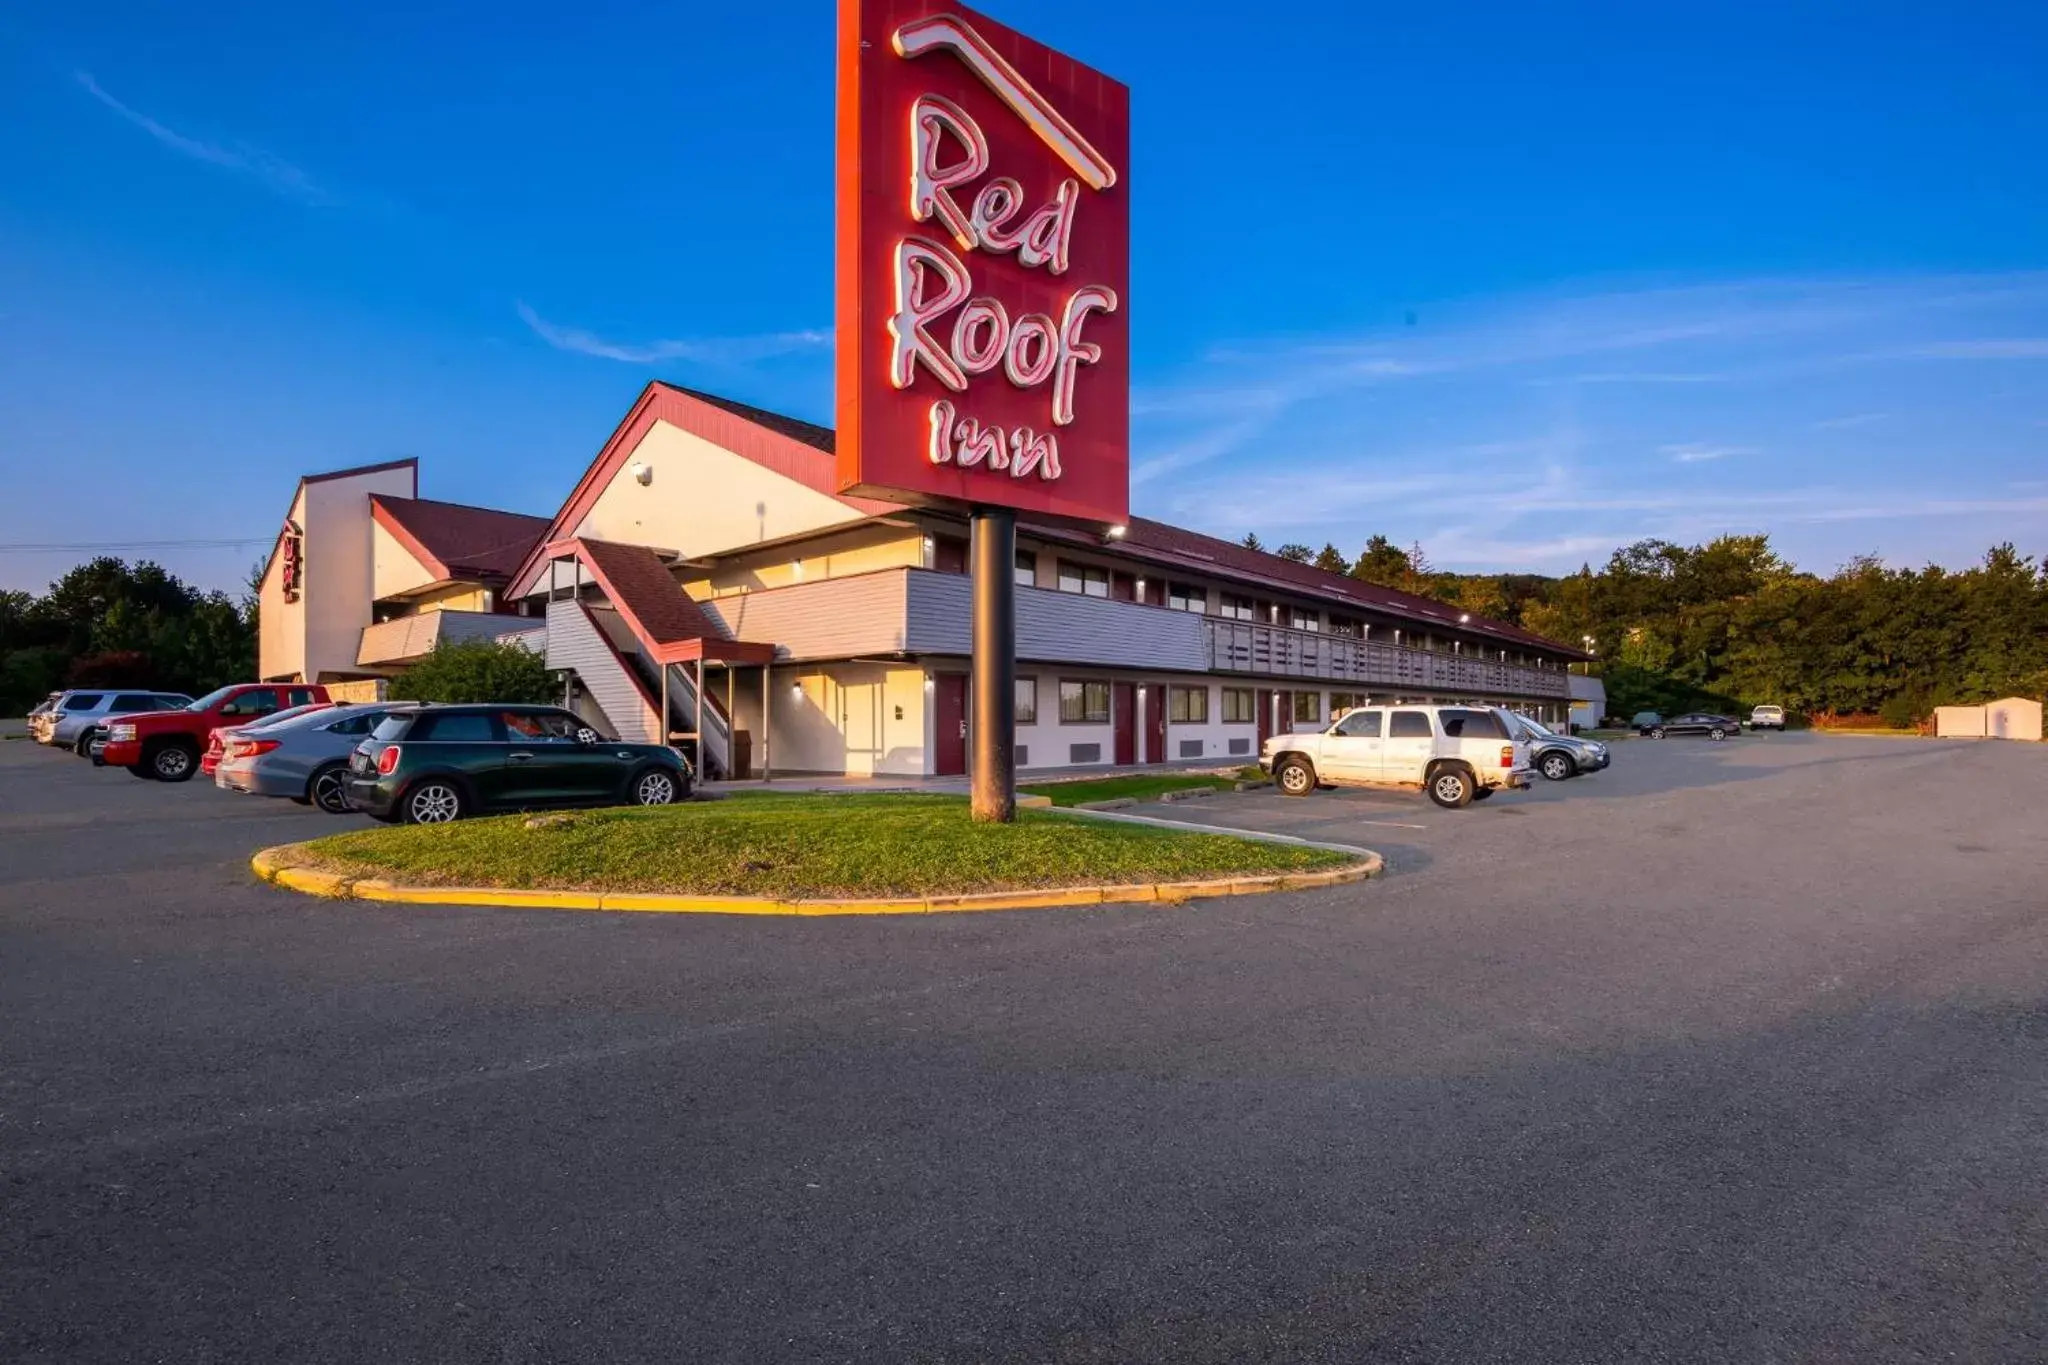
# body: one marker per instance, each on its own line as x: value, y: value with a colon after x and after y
x: 594, y: 643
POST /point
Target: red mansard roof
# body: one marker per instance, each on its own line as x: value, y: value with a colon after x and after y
x: 673, y: 626
x: 456, y: 540
x: 1191, y: 550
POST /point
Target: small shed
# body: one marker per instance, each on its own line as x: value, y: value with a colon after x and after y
x: 1589, y: 701
x: 2012, y: 718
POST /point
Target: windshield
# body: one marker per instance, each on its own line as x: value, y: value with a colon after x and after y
x: 1535, y: 726
x: 206, y: 702
x: 289, y: 713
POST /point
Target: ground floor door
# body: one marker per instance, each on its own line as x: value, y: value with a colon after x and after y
x: 1155, y: 721
x: 949, y: 724
x: 1262, y: 703
x: 1123, y: 718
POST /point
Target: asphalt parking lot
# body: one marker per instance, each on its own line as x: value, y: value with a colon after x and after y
x: 1735, y: 1052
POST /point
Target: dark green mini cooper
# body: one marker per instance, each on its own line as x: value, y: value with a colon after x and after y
x: 441, y: 763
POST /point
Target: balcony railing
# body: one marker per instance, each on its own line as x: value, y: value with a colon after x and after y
x: 1282, y: 652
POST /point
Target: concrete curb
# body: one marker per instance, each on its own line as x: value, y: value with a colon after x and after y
x: 272, y: 865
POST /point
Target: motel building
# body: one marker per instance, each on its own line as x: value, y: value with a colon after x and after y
x: 706, y: 565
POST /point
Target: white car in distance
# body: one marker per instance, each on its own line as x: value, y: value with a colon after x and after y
x: 1767, y: 718
x: 1457, y: 754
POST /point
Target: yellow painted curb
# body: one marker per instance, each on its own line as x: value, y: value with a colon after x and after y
x: 272, y: 866
x: 1025, y: 801
x: 656, y: 904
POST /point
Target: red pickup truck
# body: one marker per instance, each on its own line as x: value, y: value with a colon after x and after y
x: 166, y: 745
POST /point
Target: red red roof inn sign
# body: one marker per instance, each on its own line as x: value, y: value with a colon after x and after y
x: 984, y: 266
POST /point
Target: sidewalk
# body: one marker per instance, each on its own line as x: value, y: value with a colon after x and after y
x: 957, y: 785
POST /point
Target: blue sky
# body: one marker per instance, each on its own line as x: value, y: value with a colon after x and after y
x: 1518, y: 282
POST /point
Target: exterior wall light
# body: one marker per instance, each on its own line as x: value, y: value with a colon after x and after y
x: 642, y: 472
x: 1116, y: 532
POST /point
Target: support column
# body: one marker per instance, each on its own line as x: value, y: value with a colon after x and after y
x: 767, y: 690
x: 703, y: 759
x: 993, y: 763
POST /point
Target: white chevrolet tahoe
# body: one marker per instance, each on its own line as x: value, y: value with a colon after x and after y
x: 1458, y: 754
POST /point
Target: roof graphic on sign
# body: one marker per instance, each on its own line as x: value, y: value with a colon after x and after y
x: 951, y: 33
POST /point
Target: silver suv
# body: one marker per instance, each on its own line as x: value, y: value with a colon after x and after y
x: 1457, y: 754
x: 69, y: 721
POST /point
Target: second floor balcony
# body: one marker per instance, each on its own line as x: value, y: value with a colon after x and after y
x: 1282, y: 652
x: 916, y: 612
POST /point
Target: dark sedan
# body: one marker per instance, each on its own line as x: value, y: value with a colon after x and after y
x: 1695, y: 723
x: 442, y: 763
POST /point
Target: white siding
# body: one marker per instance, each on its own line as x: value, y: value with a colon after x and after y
x: 575, y: 644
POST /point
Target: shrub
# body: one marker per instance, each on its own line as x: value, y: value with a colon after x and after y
x: 1902, y: 712
x: 477, y: 671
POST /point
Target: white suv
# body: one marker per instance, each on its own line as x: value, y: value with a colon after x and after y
x: 1458, y: 754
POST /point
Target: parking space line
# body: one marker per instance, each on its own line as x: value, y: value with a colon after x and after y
x: 1390, y: 824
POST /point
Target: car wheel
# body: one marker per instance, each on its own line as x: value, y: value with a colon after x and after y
x: 1451, y: 788
x: 655, y: 787
x: 1717, y: 733
x: 1557, y: 767
x: 1295, y: 777
x: 329, y: 789
x: 1657, y: 732
x: 82, y: 746
x: 434, y: 802
x: 173, y: 762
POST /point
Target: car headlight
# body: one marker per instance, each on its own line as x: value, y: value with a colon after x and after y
x: 120, y: 733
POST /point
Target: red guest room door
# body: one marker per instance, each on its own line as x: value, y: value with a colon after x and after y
x: 949, y: 724
x: 1155, y: 722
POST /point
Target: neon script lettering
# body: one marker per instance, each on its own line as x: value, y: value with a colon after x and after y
x: 933, y: 278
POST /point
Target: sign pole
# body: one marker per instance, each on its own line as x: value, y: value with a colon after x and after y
x: 994, y: 728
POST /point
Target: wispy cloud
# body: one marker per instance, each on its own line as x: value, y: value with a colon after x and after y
x: 1992, y: 348
x: 704, y: 350
x: 1537, y: 431
x: 1694, y: 452
x: 274, y: 173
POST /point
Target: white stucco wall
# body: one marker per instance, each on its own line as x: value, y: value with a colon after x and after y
x: 340, y: 572
x: 859, y: 719
x: 281, y: 625
x: 857, y: 551
x: 393, y: 569
x: 703, y: 499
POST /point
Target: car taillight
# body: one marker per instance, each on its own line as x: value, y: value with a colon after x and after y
x: 387, y: 762
x: 1507, y: 755
x: 249, y: 748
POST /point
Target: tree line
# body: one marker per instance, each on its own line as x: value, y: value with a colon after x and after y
x: 1731, y: 624
x: 110, y: 624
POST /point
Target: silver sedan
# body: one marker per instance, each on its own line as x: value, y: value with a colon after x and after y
x: 304, y: 759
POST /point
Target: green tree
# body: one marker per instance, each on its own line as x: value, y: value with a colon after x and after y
x: 477, y: 671
x: 1251, y: 541
x: 1381, y: 562
x: 1297, y: 552
x: 1330, y: 559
